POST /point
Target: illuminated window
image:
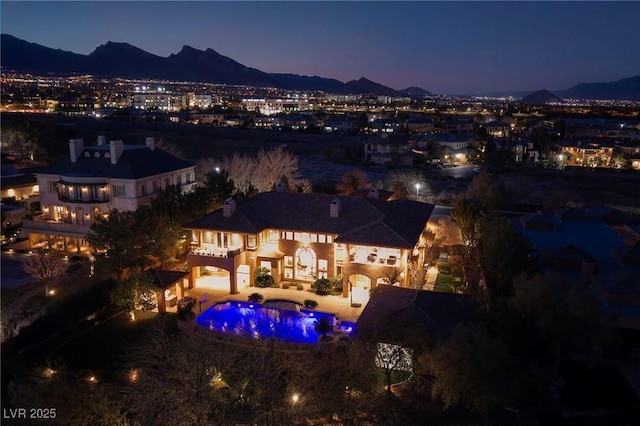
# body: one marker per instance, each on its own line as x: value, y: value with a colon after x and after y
x: 322, y: 238
x: 252, y: 241
x: 274, y: 236
x: 118, y: 191
x: 322, y: 264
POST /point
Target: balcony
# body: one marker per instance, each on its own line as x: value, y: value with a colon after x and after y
x: 210, y: 251
x: 41, y: 225
x: 103, y: 199
x: 374, y: 258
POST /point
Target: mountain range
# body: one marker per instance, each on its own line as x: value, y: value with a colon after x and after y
x: 190, y: 64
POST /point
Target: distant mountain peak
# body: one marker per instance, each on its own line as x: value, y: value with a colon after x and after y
x: 415, y: 91
x: 541, y: 97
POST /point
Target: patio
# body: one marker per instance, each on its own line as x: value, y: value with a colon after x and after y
x: 337, y: 305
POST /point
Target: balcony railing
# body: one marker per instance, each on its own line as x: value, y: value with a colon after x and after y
x: 374, y: 258
x: 101, y: 199
x: 54, y: 226
x: 216, y: 252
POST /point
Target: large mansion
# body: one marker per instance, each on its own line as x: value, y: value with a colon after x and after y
x: 95, y: 179
x: 302, y: 236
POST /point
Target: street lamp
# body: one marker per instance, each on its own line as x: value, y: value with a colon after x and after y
x: 417, y: 189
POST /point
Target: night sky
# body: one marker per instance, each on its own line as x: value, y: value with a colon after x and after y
x: 444, y: 47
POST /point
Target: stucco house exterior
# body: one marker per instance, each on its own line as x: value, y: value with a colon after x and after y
x: 95, y: 179
x: 389, y: 150
x: 301, y: 237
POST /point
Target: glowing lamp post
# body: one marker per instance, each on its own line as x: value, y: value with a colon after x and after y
x: 417, y: 189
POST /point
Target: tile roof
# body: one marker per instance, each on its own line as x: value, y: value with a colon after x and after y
x: 137, y: 161
x: 432, y: 311
x: 163, y: 278
x: 397, y: 223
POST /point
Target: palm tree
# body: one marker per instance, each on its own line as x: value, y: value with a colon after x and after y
x: 323, y: 326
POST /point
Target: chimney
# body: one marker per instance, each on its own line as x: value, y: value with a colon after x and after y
x: 228, y: 208
x: 334, y: 208
x: 151, y: 143
x: 102, y: 140
x: 76, y: 146
x: 373, y: 193
x: 281, y: 187
x: 116, y: 148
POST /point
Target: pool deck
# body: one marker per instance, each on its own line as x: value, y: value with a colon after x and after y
x: 337, y: 305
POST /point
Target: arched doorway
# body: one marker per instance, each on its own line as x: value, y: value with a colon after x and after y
x: 359, y: 286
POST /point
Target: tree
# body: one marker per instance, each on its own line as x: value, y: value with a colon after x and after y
x: 323, y: 326
x: 468, y: 215
x: 489, y: 192
x: 564, y: 317
x: 118, y: 237
x: 403, y: 183
x: 240, y: 169
x: 219, y: 186
x: 274, y: 166
x: 135, y: 292
x: 161, y: 235
x: 503, y: 254
x: 169, y: 147
x: 474, y: 369
x: 45, y: 265
x: 352, y: 182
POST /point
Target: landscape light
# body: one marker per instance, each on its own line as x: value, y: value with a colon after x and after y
x: 295, y: 397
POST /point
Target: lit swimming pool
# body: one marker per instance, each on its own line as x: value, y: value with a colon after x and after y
x: 249, y: 319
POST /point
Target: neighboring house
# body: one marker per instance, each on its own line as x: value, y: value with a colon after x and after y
x: 388, y: 150
x: 592, y: 247
x: 456, y: 147
x: 298, y: 121
x: 420, y: 126
x: 20, y: 185
x: 592, y: 154
x: 498, y: 129
x: 95, y: 179
x: 267, y: 121
x: 206, y: 118
x: 339, y: 124
x: 303, y: 236
x: 459, y: 126
x: 385, y: 125
x: 270, y: 106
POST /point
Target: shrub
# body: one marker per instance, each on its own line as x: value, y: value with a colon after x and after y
x: 285, y: 285
x: 323, y: 287
x: 185, y: 310
x: 256, y: 297
x: 264, y: 278
x: 336, y: 283
x: 310, y: 303
x: 300, y: 287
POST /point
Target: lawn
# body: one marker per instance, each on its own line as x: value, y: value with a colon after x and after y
x: 445, y: 282
x: 105, y: 346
